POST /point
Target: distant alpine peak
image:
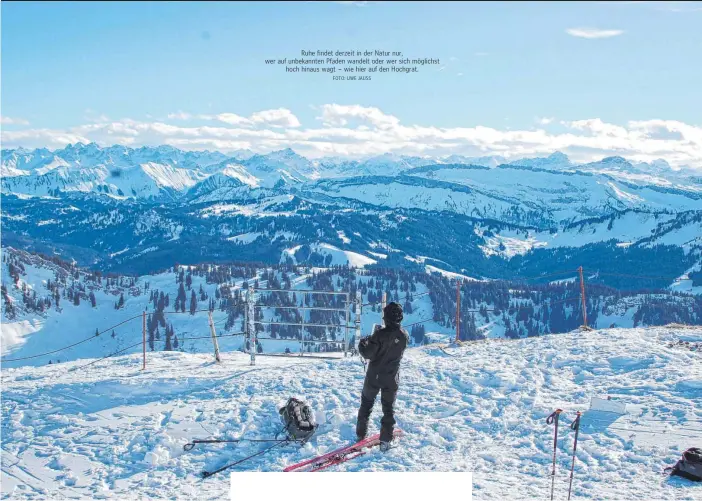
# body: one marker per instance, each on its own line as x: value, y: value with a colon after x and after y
x: 559, y: 157
x: 287, y: 153
x: 614, y: 160
x: 556, y: 159
x: 79, y: 146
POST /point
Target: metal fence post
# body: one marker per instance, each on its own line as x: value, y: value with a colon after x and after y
x: 582, y: 296
x: 302, y: 334
x: 143, y: 338
x: 346, y: 329
x: 245, y: 324
x: 458, y: 310
x: 250, y: 324
x: 383, y: 304
x: 359, y: 310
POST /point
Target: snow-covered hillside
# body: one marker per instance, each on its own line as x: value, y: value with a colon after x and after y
x: 52, y: 310
x: 333, y: 256
x: 110, y: 430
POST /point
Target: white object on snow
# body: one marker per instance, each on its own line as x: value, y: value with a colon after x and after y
x: 607, y: 405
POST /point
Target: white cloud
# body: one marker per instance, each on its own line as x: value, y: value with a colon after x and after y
x: 593, y: 33
x: 339, y: 115
x: 481, y: 54
x: 13, y: 121
x: 231, y: 119
x: 41, y: 138
x: 276, y: 118
x: 544, y: 120
x: 280, y: 117
x: 356, y: 130
x: 596, y: 126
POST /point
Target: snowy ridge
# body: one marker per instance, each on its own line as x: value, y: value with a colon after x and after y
x: 111, y: 429
x: 514, y: 194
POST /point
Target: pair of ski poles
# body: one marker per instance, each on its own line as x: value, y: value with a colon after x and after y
x: 276, y: 443
x: 575, y: 425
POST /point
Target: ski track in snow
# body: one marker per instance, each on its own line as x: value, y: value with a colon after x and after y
x: 112, y: 431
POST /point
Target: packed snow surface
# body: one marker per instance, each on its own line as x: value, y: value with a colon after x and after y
x: 113, y: 431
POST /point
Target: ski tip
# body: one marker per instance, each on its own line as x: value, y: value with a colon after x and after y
x: 205, y: 474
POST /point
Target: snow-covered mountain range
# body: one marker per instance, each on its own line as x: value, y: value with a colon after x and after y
x: 145, y: 209
x: 151, y: 173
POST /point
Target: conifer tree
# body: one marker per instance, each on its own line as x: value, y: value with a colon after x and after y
x: 193, y: 303
x: 168, y: 346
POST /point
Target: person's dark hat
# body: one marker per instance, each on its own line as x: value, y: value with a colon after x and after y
x: 393, y: 313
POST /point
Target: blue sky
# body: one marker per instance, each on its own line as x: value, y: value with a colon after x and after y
x: 506, y: 66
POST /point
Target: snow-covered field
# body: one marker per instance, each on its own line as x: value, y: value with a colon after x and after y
x: 110, y: 430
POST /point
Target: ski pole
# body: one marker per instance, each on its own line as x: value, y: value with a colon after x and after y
x: 553, y: 418
x: 189, y: 446
x: 206, y: 474
x: 575, y: 425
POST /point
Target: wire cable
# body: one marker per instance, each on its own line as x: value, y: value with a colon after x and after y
x: 555, y: 273
x: 92, y: 337
x: 141, y: 342
x: 414, y: 299
x: 640, y: 276
x: 70, y: 345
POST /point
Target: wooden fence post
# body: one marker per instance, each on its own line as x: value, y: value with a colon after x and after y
x: 214, y: 337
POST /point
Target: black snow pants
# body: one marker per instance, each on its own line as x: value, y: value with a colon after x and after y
x: 387, y: 401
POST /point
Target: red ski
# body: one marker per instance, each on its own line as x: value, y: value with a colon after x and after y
x: 341, y: 455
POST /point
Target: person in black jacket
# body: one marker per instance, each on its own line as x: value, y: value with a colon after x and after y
x: 384, y: 348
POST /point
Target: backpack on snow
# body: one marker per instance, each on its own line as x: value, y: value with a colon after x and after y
x: 298, y: 419
x: 689, y: 466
